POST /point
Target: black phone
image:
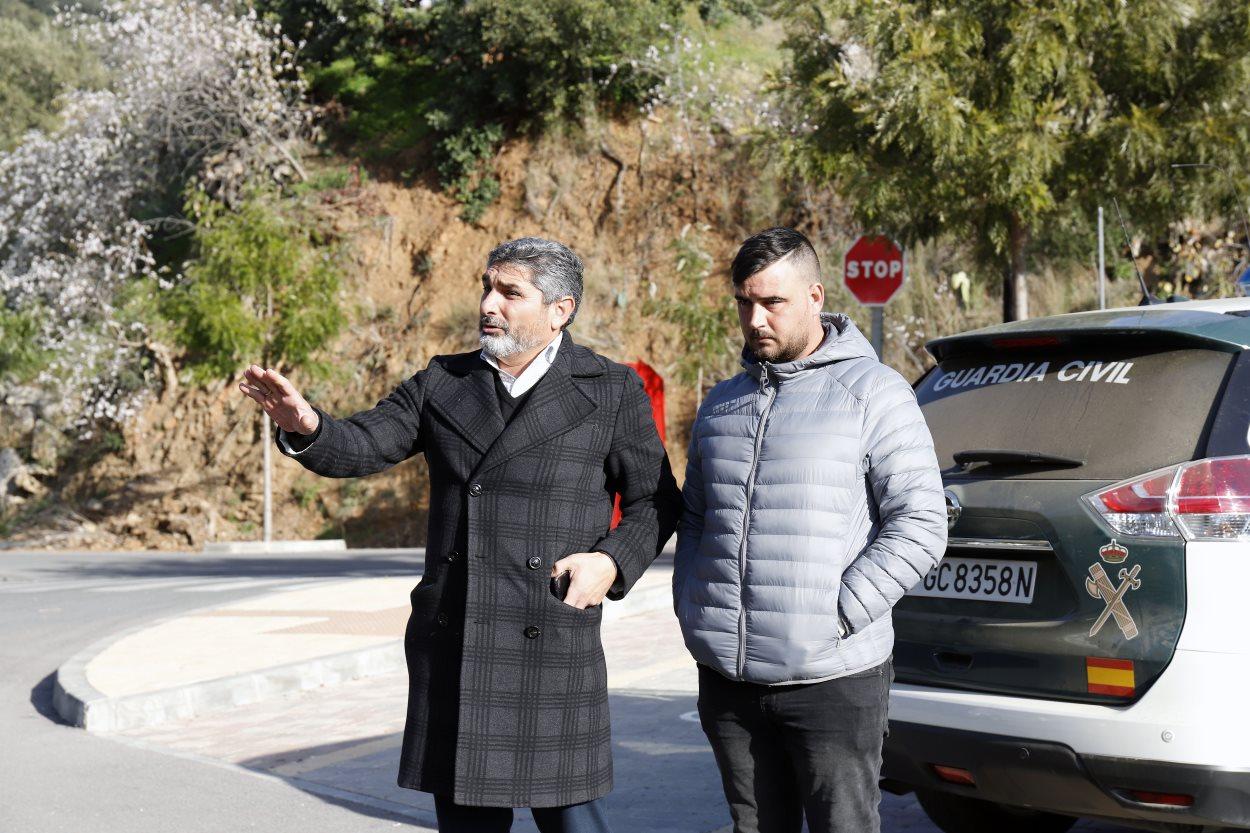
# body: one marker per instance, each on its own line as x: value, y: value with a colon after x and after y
x: 560, y: 585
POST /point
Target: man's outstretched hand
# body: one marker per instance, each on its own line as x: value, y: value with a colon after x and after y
x: 280, y: 400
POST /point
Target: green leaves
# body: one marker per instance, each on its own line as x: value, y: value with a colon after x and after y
x: 20, y: 356
x: 37, y: 64
x: 468, y: 73
x: 259, y: 257
x: 464, y: 167
x: 701, y: 310
x: 970, y: 118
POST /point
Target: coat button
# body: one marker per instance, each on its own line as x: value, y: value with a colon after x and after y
x: 452, y: 556
x: 534, y: 562
x: 532, y: 632
x: 442, y: 619
x: 475, y: 489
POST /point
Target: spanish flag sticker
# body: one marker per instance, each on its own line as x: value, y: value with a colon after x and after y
x: 1113, y: 677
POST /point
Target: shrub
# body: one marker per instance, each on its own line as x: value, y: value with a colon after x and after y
x: 468, y: 73
x: 194, y: 92
x: 263, y: 287
x: 37, y: 65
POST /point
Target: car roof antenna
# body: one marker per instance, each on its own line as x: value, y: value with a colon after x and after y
x: 1146, y: 298
x: 1241, y: 203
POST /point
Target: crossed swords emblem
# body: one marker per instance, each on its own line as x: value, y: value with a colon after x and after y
x: 1099, y: 585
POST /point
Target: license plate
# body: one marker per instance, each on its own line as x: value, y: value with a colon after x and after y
x: 981, y: 579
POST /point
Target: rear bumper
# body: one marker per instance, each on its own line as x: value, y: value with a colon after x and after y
x: 1044, y: 775
x: 1195, y: 713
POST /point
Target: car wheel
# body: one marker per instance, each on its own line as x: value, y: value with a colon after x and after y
x: 957, y: 814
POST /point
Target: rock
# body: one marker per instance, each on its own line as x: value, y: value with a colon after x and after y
x: 183, y: 525
x: 45, y: 444
x: 17, y: 481
x: 10, y: 464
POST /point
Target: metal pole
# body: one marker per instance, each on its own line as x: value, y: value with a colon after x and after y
x: 265, y: 441
x: 878, y: 330
x: 1102, y: 265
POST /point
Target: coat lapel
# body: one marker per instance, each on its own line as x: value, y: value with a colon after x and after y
x: 470, y: 405
x: 555, y: 405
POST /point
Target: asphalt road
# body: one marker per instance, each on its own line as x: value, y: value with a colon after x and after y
x: 58, y: 778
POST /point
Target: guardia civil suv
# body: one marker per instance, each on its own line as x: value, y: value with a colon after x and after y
x: 1083, y: 648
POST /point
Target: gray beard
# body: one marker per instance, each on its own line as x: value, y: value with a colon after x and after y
x: 508, y: 344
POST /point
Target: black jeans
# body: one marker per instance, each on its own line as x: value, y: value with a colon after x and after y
x: 809, y: 749
x: 575, y: 818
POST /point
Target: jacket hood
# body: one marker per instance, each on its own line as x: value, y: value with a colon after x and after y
x: 843, y: 340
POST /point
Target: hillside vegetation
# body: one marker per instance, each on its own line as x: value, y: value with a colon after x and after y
x: 315, y: 186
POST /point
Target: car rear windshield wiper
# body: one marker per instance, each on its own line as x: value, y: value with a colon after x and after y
x: 1010, y: 457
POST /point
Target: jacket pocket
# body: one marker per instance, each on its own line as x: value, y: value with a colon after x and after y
x: 570, y: 613
x: 858, y: 525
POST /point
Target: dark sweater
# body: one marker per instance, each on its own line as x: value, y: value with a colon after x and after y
x: 509, y: 405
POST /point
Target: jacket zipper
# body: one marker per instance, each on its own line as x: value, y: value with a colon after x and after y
x: 771, y: 391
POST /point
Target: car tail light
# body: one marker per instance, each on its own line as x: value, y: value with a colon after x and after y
x: 1160, y: 799
x: 1212, y: 499
x: 954, y: 775
x: 1137, y: 507
x: 1206, y: 500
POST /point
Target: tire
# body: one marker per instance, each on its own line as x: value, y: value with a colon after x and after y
x: 958, y: 814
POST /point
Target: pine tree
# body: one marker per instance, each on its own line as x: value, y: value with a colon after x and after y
x: 992, y: 120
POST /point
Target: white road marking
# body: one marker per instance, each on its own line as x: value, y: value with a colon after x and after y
x: 183, y: 584
x: 24, y: 588
x: 224, y: 586
x: 138, y: 585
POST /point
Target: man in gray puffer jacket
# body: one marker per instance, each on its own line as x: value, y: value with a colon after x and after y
x: 813, y: 502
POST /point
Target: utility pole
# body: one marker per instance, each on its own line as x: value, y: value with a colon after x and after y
x: 1102, y: 265
x: 265, y: 443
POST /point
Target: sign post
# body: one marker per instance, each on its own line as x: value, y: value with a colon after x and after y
x: 875, y: 269
x: 878, y: 331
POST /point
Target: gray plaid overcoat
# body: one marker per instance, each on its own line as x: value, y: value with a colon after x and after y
x: 508, y: 699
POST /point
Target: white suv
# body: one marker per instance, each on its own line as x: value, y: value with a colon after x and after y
x: 1083, y: 649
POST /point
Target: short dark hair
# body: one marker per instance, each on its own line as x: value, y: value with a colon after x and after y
x: 759, y: 251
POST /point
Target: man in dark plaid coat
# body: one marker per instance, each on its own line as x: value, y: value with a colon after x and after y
x: 527, y: 442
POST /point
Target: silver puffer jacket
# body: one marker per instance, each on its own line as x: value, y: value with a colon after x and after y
x: 813, y: 502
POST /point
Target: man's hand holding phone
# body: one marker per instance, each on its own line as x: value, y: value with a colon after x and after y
x: 588, y: 576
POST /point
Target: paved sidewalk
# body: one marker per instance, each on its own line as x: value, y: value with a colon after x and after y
x: 253, y: 635
x: 341, y: 741
x: 247, y: 652
x: 347, y: 737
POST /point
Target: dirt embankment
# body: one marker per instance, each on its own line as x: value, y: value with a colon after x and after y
x: 189, y: 467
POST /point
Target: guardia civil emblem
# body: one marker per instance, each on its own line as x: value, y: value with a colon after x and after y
x: 1099, y: 586
x: 1113, y: 553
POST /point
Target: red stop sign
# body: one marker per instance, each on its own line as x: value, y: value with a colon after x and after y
x: 874, y: 270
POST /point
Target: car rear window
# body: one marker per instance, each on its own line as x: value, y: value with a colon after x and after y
x: 1122, y: 411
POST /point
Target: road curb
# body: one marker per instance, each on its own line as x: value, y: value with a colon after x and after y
x: 256, y: 547
x: 81, y: 704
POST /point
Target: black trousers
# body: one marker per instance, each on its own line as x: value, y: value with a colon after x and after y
x: 809, y: 749
x: 575, y: 818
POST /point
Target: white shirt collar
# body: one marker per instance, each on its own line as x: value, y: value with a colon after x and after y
x: 517, y: 385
